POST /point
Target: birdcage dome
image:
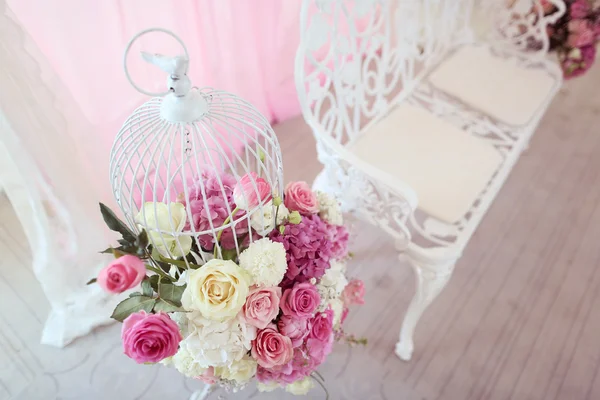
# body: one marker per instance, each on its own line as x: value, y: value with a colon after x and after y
x: 198, y: 169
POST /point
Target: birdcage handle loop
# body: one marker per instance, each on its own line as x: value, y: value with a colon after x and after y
x: 128, y: 48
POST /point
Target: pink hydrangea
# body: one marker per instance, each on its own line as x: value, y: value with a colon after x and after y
x: 339, y: 241
x: 300, y: 367
x: 216, y: 209
x: 308, y: 247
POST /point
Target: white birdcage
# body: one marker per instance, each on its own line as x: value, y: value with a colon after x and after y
x: 176, y: 160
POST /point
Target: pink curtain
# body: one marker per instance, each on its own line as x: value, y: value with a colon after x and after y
x: 246, y: 47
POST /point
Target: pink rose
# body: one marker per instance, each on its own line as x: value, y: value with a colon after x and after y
x: 295, y: 328
x: 251, y: 191
x: 150, y: 337
x: 262, y: 306
x: 121, y: 274
x: 354, y: 292
x: 579, y: 9
x: 271, y: 348
x: 299, y: 197
x: 301, y: 300
x: 208, y: 376
x: 322, y: 326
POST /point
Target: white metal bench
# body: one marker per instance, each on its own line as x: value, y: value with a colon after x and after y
x: 417, y: 122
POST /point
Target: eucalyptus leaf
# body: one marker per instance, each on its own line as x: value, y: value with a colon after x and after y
x: 131, y: 305
x: 133, y: 294
x: 147, y: 288
x: 93, y: 280
x: 166, y: 306
x: 170, y: 292
x: 115, y: 224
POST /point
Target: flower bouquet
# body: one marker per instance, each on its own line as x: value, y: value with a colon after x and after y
x: 269, y: 310
x: 574, y: 36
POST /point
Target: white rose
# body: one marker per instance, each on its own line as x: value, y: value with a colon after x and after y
x: 186, y: 364
x: 162, y: 223
x: 337, y: 306
x: 329, y: 209
x: 265, y: 261
x: 301, y: 387
x: 217, y: 343
x: 240, y: 371
x: 263, y: 223
x: 267, y: 387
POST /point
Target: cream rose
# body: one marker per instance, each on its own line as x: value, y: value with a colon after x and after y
x: 240, y: 371
x: 300, y: 387
x: 162, y: 222
x: 267, y: 387
x: 218, y: 290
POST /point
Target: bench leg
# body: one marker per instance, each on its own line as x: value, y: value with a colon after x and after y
x: 430, y: 279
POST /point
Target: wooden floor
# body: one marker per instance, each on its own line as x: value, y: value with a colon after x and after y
x: 519, y: 320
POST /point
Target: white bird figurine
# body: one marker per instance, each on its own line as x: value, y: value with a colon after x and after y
x: 176, y: 66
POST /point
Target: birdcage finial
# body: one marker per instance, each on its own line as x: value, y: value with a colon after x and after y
x: 181, y: 103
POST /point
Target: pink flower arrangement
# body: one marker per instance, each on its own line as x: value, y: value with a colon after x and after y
x: 574, y: 35
x: 150, y: 338
x: 122, y: 274
x: 262, y: 312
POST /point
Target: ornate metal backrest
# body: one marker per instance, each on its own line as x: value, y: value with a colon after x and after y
x: 356, y: 57
x: 521, y: 25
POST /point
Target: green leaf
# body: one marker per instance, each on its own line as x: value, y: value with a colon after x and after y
x: 133, y: 294
x: 142, y: 241
x: 153, y: 280
x: 178, y: 263
x: 115, y: 224
x: 147, y: 288
x: 230, y: 254
x: 131, y: 305
x: 93, y: 280
x: 166, y: 306
x: 170, y: 292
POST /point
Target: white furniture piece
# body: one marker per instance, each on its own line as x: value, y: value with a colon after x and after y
x: 418, y: 122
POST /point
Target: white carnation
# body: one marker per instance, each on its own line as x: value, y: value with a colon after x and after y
x: 329, y: 209
x: 186, y: 364
x: 215, y: 343
x: 265, y: 261
x: 300, y: 387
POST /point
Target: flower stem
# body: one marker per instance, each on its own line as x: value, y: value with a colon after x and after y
x: 227, y: 220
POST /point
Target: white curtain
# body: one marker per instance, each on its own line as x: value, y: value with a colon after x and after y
x: 63, y: 96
